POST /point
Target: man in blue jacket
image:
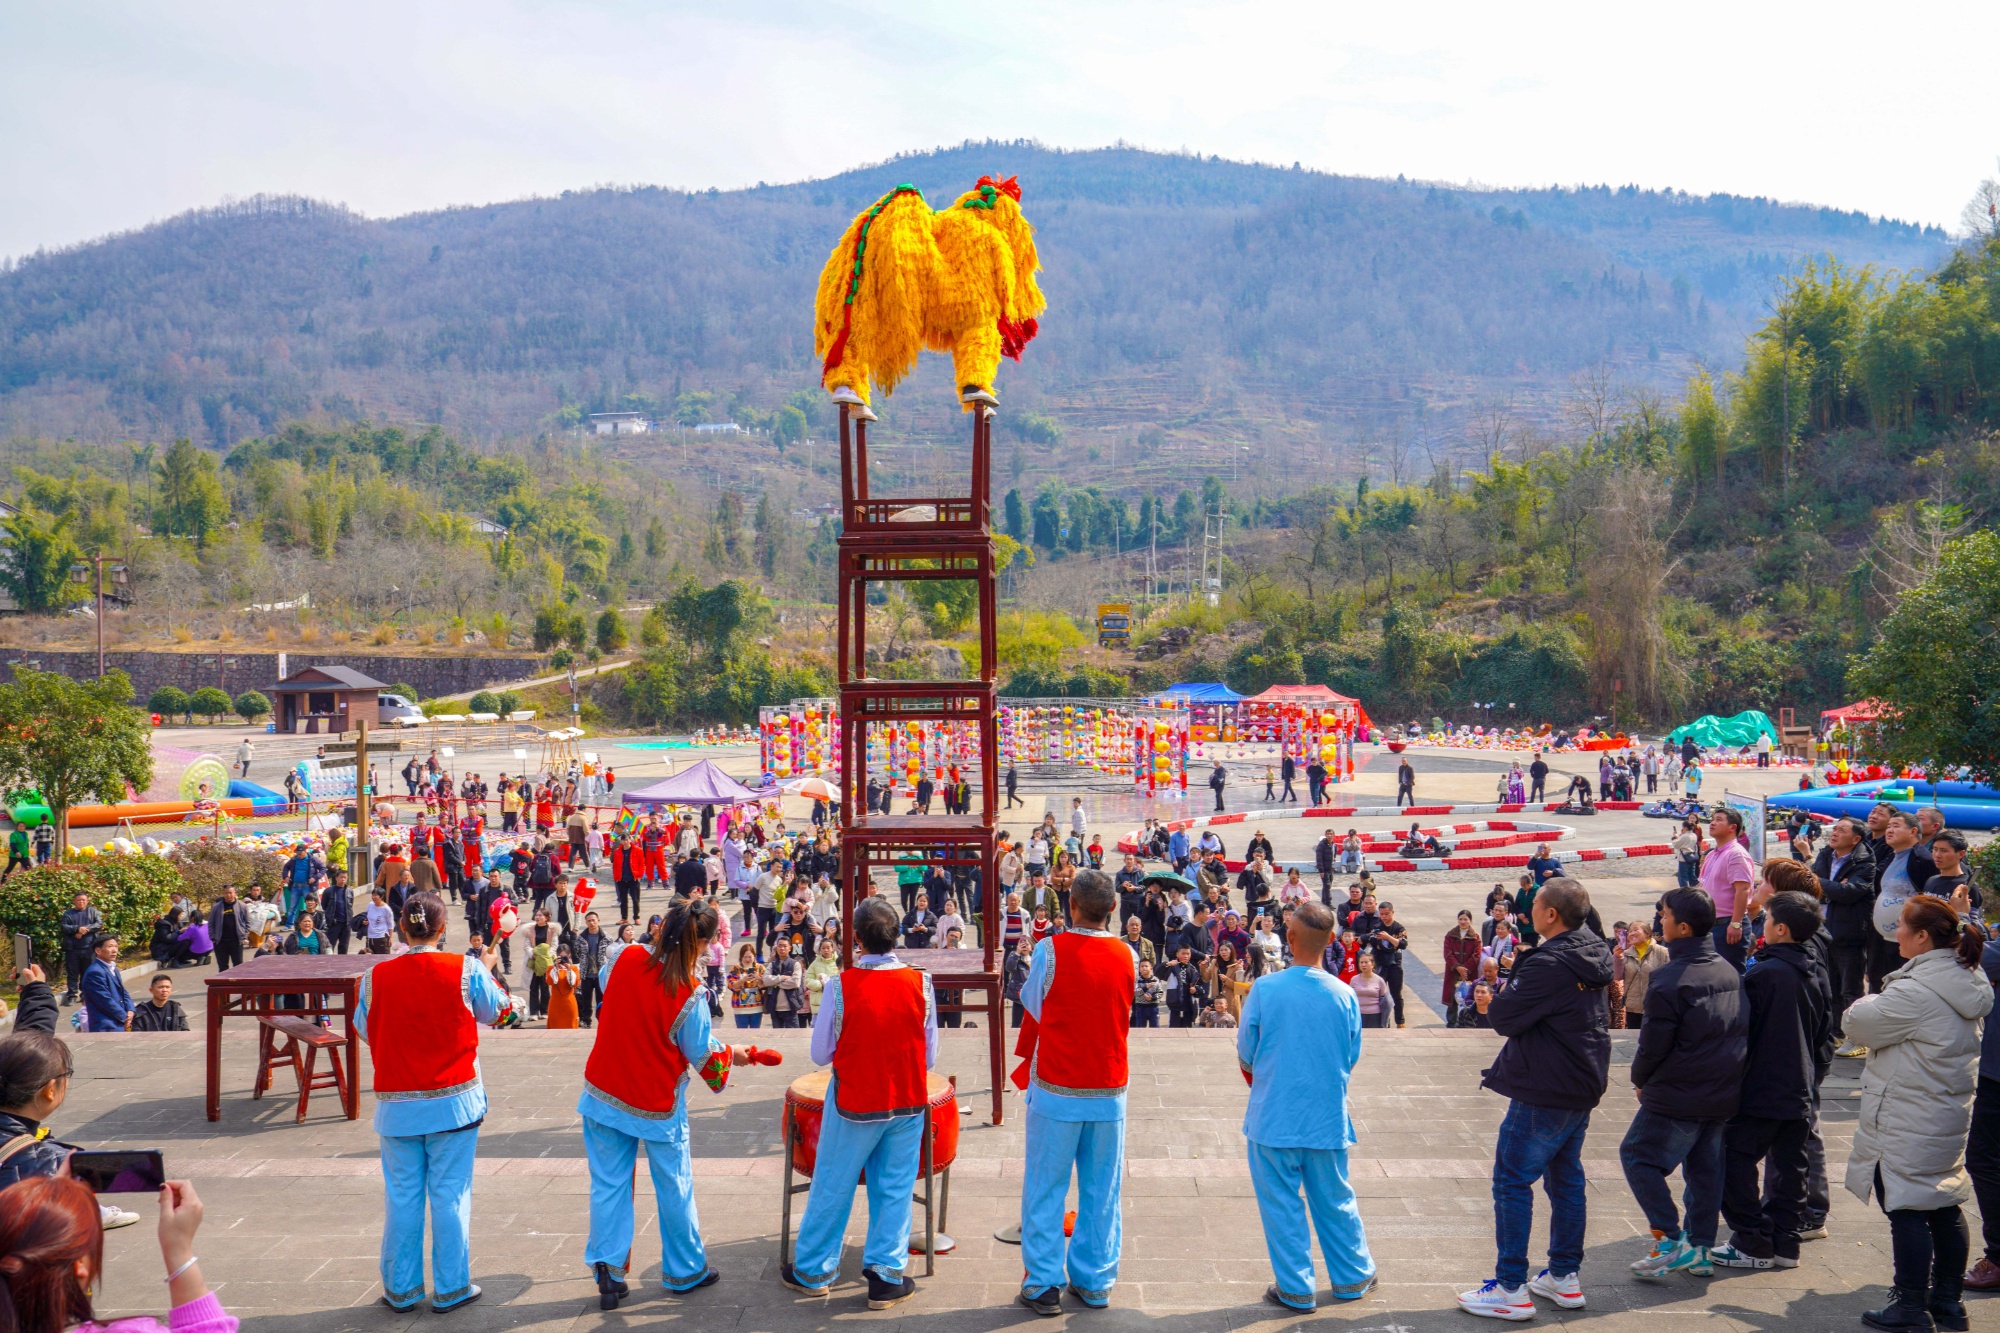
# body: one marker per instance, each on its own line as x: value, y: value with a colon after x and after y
x: 105, y: 998
x: 1553, y: 1071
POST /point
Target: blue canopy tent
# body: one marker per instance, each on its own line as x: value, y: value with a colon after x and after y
x: 1197, y: 693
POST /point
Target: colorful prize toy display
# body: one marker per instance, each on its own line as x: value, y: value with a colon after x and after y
x: 799, y: 739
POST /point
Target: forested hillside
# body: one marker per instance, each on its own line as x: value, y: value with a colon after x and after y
x: 1187, y: 293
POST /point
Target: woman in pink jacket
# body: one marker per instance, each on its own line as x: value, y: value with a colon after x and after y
x: 52, y: 1252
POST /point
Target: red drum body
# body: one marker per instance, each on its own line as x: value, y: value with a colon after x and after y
x: 805, y: 1109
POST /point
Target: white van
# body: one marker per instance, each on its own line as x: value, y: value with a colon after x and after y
x: 390, y: 707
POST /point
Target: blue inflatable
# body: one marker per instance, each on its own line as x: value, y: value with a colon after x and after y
x: 263, y: 801
x: 1966, y: 805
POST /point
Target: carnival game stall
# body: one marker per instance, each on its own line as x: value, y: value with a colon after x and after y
x: 1309, y: 722
x: 1213, y: 709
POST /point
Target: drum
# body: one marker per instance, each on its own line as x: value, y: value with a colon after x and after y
x: 805, y: 1108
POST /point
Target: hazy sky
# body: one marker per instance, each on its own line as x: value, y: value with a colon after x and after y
x: 115, y: 114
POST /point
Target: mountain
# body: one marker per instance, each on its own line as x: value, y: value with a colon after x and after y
x: 1209, y: 298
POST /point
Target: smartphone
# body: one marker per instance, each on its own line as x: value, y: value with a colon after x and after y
x: 24, y: 953
x: 139, y: 1172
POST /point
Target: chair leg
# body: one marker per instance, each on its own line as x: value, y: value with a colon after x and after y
x: 305, y: 1073
x: 264, y: 1052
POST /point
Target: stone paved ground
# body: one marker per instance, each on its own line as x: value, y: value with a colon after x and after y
x: 294, y: 1212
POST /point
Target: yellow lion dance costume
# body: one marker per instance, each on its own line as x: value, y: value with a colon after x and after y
x: 905, y: 278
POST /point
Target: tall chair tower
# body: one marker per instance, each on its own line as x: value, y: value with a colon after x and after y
x: 921, y: 539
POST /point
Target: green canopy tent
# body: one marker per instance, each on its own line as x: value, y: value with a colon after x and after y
x: 1712, y: 732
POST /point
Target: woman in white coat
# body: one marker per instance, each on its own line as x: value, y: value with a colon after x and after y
x: 1922, y: 1035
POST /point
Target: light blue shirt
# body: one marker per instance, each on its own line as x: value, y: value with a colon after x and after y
x: 415, y: 1116
x: 826, y: 1024
x: 1299, y: 1040
x: 1034, y: 993
x: 696, y: 1040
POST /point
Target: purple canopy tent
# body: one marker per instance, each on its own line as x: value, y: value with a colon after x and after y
x: 701, y: 784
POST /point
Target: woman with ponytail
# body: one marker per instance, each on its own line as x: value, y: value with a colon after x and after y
x: 420, y: 1014
x: 52, y: 1253
x: 652, y: 1031
x: 1922, y: 1035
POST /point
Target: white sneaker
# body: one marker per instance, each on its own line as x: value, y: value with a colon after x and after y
x: 1564, y: 1291
x: 1490, y: 1300
x: 115, y: 1217
x: 1731, y: 1257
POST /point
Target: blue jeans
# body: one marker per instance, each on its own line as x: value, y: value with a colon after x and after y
x: 1653, y: 1147
x: 1538, y: 1143
x: 750, y: 1020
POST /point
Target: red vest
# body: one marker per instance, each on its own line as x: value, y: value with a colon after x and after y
x: 635, y: 1064
x: 422, y: 1036
x: 878, y: 1071
x: 1085, y: 1016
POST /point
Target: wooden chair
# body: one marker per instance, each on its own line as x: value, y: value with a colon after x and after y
x: 302, y: 1041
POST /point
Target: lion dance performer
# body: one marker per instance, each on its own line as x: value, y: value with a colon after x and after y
x: 1079, y: 1000
x: 906, y: 279
x: 420, y: 1014
x: 877, y: 1027
x: 1298, y: 1044
x: 652, y: 1030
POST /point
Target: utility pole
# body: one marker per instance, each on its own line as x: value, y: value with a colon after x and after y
x: 357, y: 846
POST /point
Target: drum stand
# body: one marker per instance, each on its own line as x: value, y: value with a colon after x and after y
x: 936, y: 1197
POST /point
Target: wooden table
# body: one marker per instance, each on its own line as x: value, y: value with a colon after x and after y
x: 331, y: 985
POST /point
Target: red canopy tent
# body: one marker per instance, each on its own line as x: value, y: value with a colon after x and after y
x: 1865, y: 710
x: 1313, y: 696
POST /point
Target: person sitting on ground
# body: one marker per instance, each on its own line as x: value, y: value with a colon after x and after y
x: 160, y: 1012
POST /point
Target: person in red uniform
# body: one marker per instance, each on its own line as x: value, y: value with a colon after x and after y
x: 652, y: 1031
x: 877, y: 1027
x: 420, y: 1014
x: 472, y: 837
x: 653, y: 842
x: 1079, y: 999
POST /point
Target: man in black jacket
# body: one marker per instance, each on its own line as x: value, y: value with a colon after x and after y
x: 1553, y: 1070
x: 1288, y: 769
x: 1689, y: 1073
x: 1538, y: 778
x: 1326, y: 859
x: 1845, y: 869
x: 1790, y: 1010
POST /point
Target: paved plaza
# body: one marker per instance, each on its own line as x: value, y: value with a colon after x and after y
x: 294, y: 1212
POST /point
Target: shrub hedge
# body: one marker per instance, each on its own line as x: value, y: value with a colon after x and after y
x: 130, y: 892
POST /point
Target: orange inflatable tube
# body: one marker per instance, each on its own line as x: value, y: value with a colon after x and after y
x: 148, y: 812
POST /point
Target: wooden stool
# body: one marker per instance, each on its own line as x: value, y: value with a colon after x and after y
x: 302, y: 1040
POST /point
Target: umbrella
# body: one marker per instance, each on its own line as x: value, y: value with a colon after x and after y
x: 1169, y: 879
x: 813, y: 789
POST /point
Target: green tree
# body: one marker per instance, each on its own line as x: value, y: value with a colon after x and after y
x: 611, y: 632
x: 169, y: 701
x: 251, y: 705
x: 191, y: 500
x: 1943, y: 701
x: 1704, y: 432
x: 1047, y: 516
x: 35, y: 566
x: 1017, y: 515
x: 769, y: 542
x: 788, y: 427
x: 73, y: 741
x: 211, y: 702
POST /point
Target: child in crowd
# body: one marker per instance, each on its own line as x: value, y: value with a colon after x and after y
x: 1148, y: 994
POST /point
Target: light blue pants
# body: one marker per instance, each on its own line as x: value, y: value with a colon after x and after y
x: 1279, y: 1174
x: 437, y: 1168
x: 890, y: 1152
x: 1095, y: 1150
x: 683, y: 1258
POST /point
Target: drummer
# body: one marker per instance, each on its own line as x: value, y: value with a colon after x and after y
x: 877, y: 1105
x: 420, y: 1014
x: 652, y: 1029
x: 1079, y: 993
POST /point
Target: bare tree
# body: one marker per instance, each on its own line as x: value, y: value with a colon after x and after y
x: 1982, y: 212
x: 1909, y: 544
x: 1627, y: 573
x: 1592, y: 393
x: 1492, y: 424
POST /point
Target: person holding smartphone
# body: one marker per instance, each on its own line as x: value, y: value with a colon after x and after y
x: 50, y: 1241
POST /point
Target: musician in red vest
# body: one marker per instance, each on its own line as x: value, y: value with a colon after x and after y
x: 653, y: 1029
x: 877, y: 1027
x: 420, y: 1014
x: 1079, y: 999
